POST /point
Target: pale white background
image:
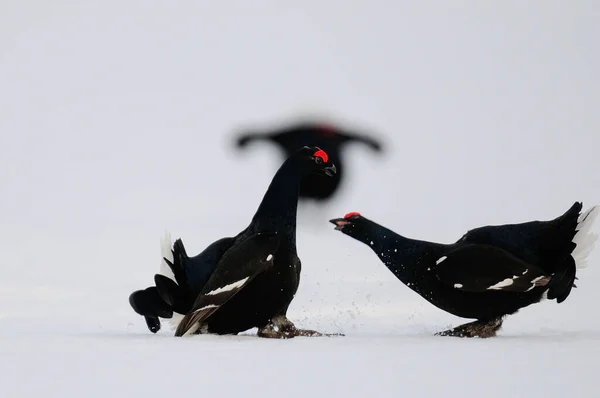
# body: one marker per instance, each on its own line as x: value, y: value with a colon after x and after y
x: 116, y: 123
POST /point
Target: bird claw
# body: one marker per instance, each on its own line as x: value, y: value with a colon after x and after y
x: 289, y: 334
x: 311, y: 333
x: 293, y: 331
x: 481, y: 329
x: 334, y: 334
x: 283, y: 328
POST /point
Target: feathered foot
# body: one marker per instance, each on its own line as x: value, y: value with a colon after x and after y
x: 481, y: 328
x: 282, y: 328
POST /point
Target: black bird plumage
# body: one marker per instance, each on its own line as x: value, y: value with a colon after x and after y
x: 241, y: 282
x: 491, y: 271
x: 330, y: 138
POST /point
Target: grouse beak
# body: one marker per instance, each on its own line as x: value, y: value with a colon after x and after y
x: 339, y: 223
x: 330, y: 171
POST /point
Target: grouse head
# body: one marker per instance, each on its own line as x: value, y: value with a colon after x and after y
x: 351, y: 224
x: 314, y: 160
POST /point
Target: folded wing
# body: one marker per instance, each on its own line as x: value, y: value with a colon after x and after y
x: 480, y: 268
x: 235, y: 270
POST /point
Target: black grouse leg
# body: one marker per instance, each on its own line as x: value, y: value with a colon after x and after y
x: 480, y: 328
x: 268, y: 332
x: 288, y: 328
x: 282, y: 328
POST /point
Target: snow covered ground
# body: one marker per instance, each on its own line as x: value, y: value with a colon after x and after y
x: 116, y: 123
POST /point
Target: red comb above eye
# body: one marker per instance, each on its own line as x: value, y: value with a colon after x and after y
x: 352, y: 214
x: 321, y: 153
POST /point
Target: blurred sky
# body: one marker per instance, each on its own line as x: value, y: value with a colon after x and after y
x: 116, y: 117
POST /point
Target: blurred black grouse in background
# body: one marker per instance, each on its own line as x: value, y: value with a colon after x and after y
x: 491, y: 271
x: 328, y: 137
x: 241, y: 282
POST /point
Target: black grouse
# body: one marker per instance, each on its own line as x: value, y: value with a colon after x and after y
x: 490, y: 272
x: 328, y: 137
x: 241, y: 282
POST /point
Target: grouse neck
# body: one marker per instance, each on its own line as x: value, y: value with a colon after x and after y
x: 389, y: 247
x: 377, y: 236
x: 278, y: 208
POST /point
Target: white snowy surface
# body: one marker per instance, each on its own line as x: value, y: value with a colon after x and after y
x: 116, y: 121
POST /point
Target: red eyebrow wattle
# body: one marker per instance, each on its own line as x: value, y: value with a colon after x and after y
x: 351, y: 214
x: 321, y: 153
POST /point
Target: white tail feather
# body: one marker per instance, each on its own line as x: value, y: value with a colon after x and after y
x: 166, y: 251
x: 584, y: 238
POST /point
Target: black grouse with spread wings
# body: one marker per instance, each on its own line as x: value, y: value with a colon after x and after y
x: 331, y: 138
